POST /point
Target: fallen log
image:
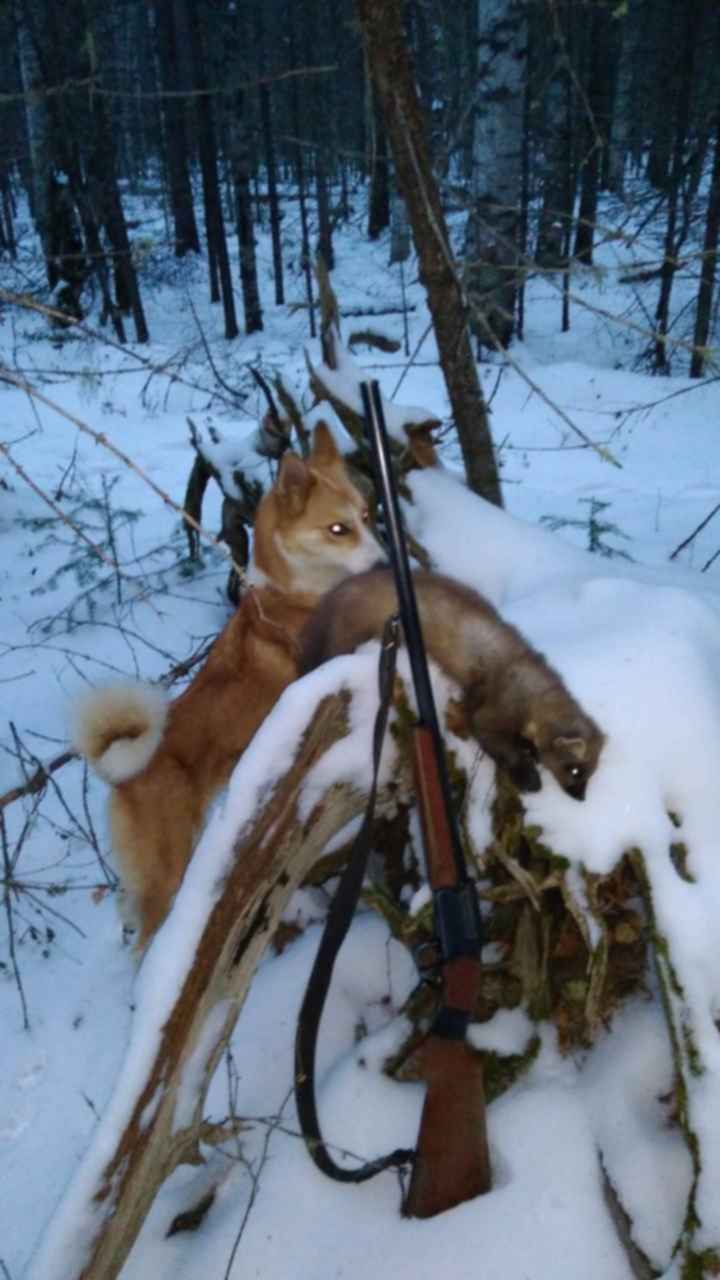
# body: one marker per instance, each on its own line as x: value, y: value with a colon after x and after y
x: 161, y: 1106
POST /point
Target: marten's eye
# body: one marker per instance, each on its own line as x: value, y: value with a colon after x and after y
x: 338, y: 530
x: 576, y: 772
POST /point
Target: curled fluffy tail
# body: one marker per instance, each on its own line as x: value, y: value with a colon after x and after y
x: 118, y: 729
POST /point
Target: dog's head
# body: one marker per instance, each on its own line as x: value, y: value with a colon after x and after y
x: 311, y: 529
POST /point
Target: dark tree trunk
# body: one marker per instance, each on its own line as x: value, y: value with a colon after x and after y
x: 708, y: 270
x: 268, y: 137
x: 214, y: 226
x: 394, y: 80
x: 187, y: 239
x: 106, y: 197
x: 93, y: 239
x: 524, y: 212
x: 324, y: 242
x: 319, y: 109
x: 300, y: 179
x: 672, y: 240
x: 602, y: 57
x: 709, y: 265
x: 415, y: 25
x: 379, y: 202
x: 67, y: 264
x: 65, y: 120
x: 243, y: 212
x: 558, y: 177
x: 662, y: 37
x: 35, y: 79
x: 7, y: 214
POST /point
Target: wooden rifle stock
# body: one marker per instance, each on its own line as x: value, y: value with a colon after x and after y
x: 452, y: 1162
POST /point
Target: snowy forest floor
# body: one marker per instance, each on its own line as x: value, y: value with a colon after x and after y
x: 637, y: 638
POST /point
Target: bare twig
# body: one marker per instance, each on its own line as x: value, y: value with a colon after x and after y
x: 100, y: 438
x: 602, y: 452
x: 7, y: 902
x: 254, y: 1175
x: 237, y: 397
x: 28, y: 303
x: 39, y: 779
x: 96, y: 550
x: 73, y: 85
x: 691, y: 537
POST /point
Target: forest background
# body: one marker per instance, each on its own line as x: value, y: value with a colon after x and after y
x: 519, y: 207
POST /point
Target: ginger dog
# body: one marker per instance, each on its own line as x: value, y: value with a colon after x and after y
x: 167, y: 760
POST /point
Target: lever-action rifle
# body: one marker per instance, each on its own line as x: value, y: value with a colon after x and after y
x: 451, y: 1162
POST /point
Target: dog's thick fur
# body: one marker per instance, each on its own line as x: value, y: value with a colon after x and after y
x: 167, y: 760
x: 515, y: 704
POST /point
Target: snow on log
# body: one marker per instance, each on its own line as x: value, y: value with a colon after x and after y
x: 154, y: 1121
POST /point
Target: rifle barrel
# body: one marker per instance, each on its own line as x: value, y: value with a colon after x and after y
x: 385, y: 480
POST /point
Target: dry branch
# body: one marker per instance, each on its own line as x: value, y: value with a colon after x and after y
x: 6, y: 375
x: 38, y: 780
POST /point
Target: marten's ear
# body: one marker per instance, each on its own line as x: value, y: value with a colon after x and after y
x: 293, y: 484
x: 575, y: 747
x: 325, y: 452
x: 531, y: 732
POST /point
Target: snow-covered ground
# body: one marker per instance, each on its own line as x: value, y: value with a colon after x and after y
x: 638, y: 642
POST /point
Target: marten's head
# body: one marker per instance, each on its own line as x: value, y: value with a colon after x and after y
x: 568, y: 748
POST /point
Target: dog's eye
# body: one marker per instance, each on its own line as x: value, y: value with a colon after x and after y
x: 365, y: 516
x: 338, y: 530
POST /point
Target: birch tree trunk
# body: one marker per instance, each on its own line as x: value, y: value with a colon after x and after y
x: 493, y: 228
x: 400, y: 244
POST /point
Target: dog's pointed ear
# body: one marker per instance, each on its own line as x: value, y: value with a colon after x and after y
x: 293, y: 484
x: 324, y: 451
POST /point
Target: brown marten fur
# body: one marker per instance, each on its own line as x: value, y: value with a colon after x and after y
x: 515, y: 704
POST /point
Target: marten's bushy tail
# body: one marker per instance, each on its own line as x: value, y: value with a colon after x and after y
x: 118, y: 729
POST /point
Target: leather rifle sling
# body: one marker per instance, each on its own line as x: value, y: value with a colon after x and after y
x: 340, y: 914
